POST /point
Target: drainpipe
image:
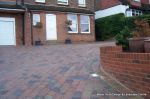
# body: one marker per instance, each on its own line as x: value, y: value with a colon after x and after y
x: 24, y: 29
x: 23, y: 35
x: 16, y: 2
x: 22, y: 2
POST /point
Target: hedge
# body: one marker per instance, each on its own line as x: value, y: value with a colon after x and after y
x: 109, y: 27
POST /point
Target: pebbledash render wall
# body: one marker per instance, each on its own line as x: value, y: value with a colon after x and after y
x: 62, y: 32
x: 131, y: 69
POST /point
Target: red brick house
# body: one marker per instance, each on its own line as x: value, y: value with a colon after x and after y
x: 25, y: 22
x: 128, y: 7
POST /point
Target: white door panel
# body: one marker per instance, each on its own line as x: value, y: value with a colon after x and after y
x: 51, y: 32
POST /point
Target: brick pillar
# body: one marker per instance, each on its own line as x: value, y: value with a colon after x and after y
x: 27, y: 29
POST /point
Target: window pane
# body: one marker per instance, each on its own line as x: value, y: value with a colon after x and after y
x: 84, y: 19
x: 36, y: 18
x: 42, y: 1
x: 85, y: 23
x: 85, y: 27
x: 81, y: 2
x: 74, y: 25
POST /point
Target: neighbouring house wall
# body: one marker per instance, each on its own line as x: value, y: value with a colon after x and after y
x: 111, y: 11
x: 19, y: 25
x: 145, y: 1
x: 131, y: 69
x: 135, y: 3
x: 104, y: 4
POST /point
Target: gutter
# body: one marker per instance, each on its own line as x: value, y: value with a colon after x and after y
x: 20, y: 10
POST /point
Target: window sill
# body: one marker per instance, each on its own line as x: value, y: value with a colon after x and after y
x: 82, y: 6
x: 85, y: 32
x: 80, y: 33
x: 40, y: 2
x: 62, y: 4
x: 72, y: 32
x: 138, y: 1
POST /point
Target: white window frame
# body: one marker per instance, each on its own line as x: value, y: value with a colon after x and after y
x: 76, y: 23
x: 131, y: 11
x: 40, y: 1
x: 137, y: 0
x: 61, y: 2
x: 89, y: 21
x: 36, y: 20
x: 82, y: 5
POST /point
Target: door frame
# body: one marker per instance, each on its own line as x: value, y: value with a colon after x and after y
x: 55, y: 26
x: 9, y: 19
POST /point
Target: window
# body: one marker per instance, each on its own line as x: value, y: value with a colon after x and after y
x: 64, y: 2
x: 85, y: 24
x: 73, y: 27
x: 36, y: 19
x: 82, y: 3
x: 137, y: 0
x: 133, y: 12
x: 40, y: 1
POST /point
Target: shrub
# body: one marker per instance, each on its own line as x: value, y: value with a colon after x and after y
x: 142, y: 28
x: 109, y: 27
x: 122, y: 37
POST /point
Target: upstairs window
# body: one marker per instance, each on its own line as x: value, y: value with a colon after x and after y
x: 64, y: 2
x: 40, y: 1
x: 82, y: 3
x: 73, y: 27
x: 85, y: 24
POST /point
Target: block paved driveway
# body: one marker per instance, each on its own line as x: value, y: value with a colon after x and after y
x: 52, y: 72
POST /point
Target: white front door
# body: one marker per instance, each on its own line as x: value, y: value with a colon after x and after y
x: 51, y: 32
x: 7, y: 31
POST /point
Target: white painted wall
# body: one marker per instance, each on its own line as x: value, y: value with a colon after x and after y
x: 111, y: 11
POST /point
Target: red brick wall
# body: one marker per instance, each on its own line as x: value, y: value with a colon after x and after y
x: 19, y: 26
x: 39, y: 32
x: 131, y: 69
x: 103, y: 4
x: 135, y: 3
x: 12, y: 1
x: 145, y: 1
x: 62, y: 33
x: 71, y: 3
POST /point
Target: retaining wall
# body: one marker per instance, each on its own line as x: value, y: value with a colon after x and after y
x: 131, y: 69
